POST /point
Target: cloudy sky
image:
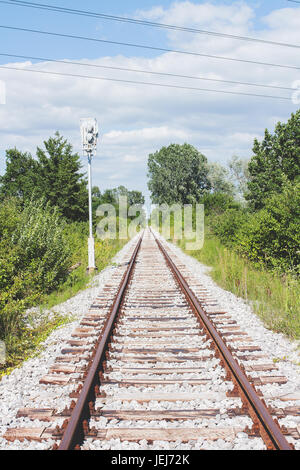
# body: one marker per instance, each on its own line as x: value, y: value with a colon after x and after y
x: 138, y: 119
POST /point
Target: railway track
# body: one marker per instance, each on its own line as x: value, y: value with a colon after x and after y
x: 155, y: 361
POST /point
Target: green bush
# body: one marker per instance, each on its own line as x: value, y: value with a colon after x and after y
x: 34, y: 259
x: 272, y: 235
x: 227, y: 225
x: 273, y: 296
x: 41, y: 245
x: 37, y: 248
x: 217, y: 203
x: 10, y: 213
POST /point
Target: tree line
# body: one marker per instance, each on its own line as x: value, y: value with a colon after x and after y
x: 43, y: 232
x: 252, y: 206
x: 55, y: 175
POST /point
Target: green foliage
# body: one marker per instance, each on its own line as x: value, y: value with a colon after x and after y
x: 60, y: 180
x: 217, y: 203
x: 272, y: 235
x: 21, y: 175
x: 276, y: 160
x: 28, y: 343
x: 55, y: 176
x: 177, y: 174
x: 10, y: 211
x: 111, y: 196
x: 239, y: 175
x: 274, y: 297
x: 78, y: 279
x: 220, y: 180
x: 41, y: 247
x: 34, y: 259
x: 227, y: 225
x: 37, y: 248
x: 112, y: 216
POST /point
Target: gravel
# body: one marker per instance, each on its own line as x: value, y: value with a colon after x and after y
x: 276, y: 346
x: 22, y: 389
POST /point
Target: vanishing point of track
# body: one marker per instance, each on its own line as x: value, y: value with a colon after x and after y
x: 155, y: 336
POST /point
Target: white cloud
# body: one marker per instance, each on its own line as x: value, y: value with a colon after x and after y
x: 151, y: 134
x: 131, y: 158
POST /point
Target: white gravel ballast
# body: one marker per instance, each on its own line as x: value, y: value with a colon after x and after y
x: 21, y: 389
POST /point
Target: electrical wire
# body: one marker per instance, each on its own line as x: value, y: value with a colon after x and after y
x: 141, y: 46
x: 108, y: 67
x: 2, y: 67
x: 72, y: 11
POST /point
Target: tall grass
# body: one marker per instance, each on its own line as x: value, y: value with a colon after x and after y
x: 274, y: 297
x: 104, y: 252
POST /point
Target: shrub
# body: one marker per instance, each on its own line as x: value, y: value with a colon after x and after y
x: 228, y: 224
x: 41, y: 244
x: 10, y: 211
x: 34, y: 259
x: 272, y: 235
x: 218, y: 203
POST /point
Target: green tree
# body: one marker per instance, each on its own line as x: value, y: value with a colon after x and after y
x: 135, y: 197
x: 239, y: 175
x: 276, y: 160
x: 21, y: 175
x: 111, y: 196
x: 272, y: 234
x: 177, y: 174
x: 217, y: 203
x: 96, y: 193
x: 96, y: 200
x: 219, y: 179
x: 60, y: 180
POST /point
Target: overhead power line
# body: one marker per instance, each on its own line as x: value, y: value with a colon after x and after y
x: 4, y: 67
x: 55, y: 8
x: 110, y: 67
x: 142, y: 46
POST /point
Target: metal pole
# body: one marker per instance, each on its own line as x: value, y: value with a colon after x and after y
x: 91, y: 244
x: 89, y: 136
x: 90, y: 193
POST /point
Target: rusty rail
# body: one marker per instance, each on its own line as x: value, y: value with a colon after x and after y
x: 264, y: 425
x: 74, y: 432
x: 267, y: 427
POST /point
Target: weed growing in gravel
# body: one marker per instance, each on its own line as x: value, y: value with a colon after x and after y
x: 29, y: 343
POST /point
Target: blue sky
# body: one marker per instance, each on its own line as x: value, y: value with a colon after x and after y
x: 135, y: 120
x: 72, y: 24
x: 32, y: 44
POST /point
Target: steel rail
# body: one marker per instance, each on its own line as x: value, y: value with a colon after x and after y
x: 74, y: 433
x: 266, y: 422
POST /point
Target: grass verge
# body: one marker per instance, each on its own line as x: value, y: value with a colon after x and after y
x: 273, y: 297
x: 104, y: 252
x: 29, y: 343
